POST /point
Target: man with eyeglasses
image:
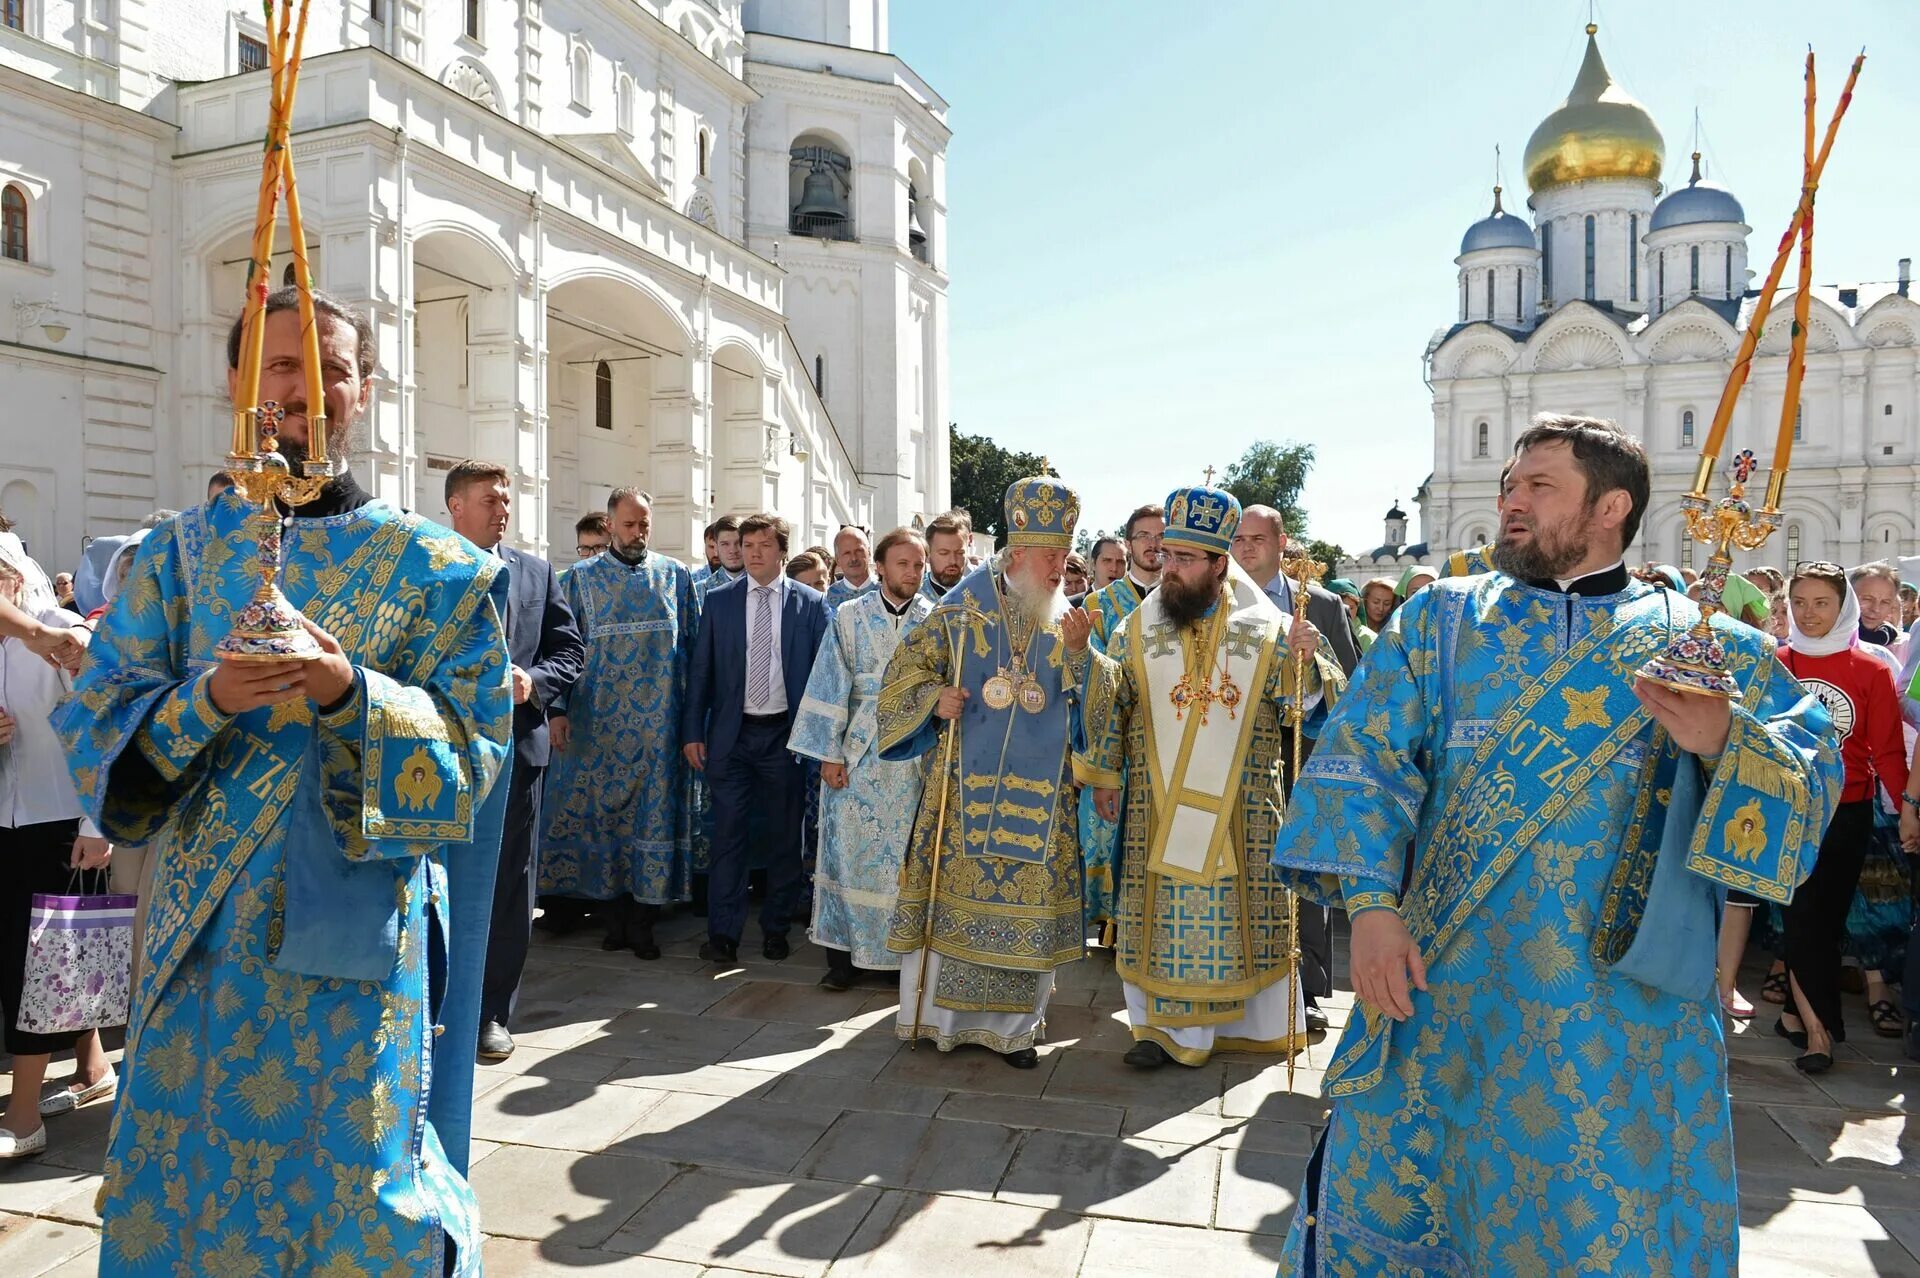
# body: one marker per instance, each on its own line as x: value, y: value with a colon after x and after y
x: 591, y: 535
x: 1204, y: 672
x: 1110, y: 606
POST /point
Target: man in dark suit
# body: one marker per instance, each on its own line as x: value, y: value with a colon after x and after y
x: 1258, y: 546
x: 749, y: 671
x: 547, y: 654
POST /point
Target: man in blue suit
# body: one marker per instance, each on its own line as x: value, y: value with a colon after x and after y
x: 748, y: 674
x: 547, y: 654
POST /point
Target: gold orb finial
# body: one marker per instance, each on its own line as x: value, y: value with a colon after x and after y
x: 1593, y: 28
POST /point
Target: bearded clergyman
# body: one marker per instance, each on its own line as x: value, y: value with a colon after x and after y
x: 993, y: 684
x: 1206, y: 672
x: 1537, y: 1079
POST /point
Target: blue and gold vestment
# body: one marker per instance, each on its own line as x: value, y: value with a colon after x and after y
x: 1542, y: 1111
x: 618, y: 805
x: 300, y: 1050
x: 1109, y: 606
x: 865, y: 825
x: 1009, y: 906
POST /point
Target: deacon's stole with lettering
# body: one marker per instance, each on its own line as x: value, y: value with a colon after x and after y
x: 1491, y: 715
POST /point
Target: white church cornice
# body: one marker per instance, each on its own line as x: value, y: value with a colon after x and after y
x: 1578, y: 337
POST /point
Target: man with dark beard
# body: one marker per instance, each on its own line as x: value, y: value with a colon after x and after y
x: 1204, y: 671
x: 617, y: 819
x: 947, y: 538
x: 989, y: 900
x: 1538, y: 1000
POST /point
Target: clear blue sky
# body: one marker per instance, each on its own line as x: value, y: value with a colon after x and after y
x: 1176, y: 228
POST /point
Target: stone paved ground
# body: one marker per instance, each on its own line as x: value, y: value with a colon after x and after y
x: 678, y: 1120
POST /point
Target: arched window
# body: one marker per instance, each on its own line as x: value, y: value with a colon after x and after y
x: 13, y: 13
x: 603, y: 395
x: 1730, y: 290
x: 623, y: 104
x: 1589, y: 292
x: 1546, y: 264
x: 1633, y: 257
x: 13, y: 224
x: 581, y: 65
x: 287, y: 279
x: 1693, y: 284
x: 1686, y: 549
x: 1887, y: 410
x: 1519, y: 277
x: 1463, y: 297
x: 1480, y: 440
x: 1489, y: 295
x: 820, y: 377
x: 703, y: 144
x: 1662, y: 285
x: 470, y: 25
x: 1686, y: 429
x: 1799, y: 421
x: 1793, y: 547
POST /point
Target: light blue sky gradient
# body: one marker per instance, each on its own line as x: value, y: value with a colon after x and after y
x: 1177, y: 228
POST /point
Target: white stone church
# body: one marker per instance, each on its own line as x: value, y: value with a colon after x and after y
x: 1625, y: 299
x: 693, y: 245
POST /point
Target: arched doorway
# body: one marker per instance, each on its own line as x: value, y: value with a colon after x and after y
x: 459, y: 379
x: 619, y: 410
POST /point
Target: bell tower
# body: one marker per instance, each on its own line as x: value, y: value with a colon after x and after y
x: 846, y: 190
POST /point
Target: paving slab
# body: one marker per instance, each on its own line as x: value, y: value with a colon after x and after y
x: 1104, y: 1176
x: 854, y: 1094
x: 1258, y: 1191
x: 720, y: 1131
x: 909, y: 1151
x: 1132, y: 1249
x: 762, y: 1224
x: 30, y: 1247
x: 681, y: 1036
x: 1822, y: 1240
x: 1034, y: 1112
x: 559, y: 1113
x: 569, y: 1198
x: 1101, y: 1078
x: 1852, y: 1138
x: 911, y: 1235
x: 969, y: 1069
x: 519, y: 1258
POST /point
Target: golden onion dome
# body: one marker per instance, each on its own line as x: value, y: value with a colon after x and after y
x: 1598, y: 132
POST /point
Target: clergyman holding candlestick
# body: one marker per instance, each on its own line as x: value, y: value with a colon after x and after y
x: 326, y: 833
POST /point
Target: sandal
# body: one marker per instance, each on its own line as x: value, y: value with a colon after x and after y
x: 1887, y: 1022
x: 1774, y: 988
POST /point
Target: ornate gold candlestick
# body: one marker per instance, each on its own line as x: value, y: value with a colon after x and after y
x: 1695, y: 660
x: 268, y: 628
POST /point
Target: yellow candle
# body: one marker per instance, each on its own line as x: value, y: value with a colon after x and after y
x: 1797, y: 348
x: 259, y: 264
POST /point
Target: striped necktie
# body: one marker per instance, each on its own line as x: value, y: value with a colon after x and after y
x: 760, y: 649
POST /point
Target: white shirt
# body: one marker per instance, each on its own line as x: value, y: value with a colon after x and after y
x: 775, y: 701
x: 35, y: 785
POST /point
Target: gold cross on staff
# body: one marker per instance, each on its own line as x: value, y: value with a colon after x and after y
x: 1209, y: 474
x: 1300, y: 566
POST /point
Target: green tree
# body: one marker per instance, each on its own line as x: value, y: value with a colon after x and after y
x: 1273, y: 474
x: 982, y: 471
x: 1326, y: 552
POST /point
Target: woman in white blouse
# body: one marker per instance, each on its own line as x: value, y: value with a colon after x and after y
x: 43, y: 840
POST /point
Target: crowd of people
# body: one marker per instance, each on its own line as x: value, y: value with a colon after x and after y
x: 956, y: 774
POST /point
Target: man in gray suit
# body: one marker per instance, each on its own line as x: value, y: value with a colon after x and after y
x: 1258, y: 546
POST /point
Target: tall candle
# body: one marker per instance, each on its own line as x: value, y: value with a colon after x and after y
x: 259, y: 264
x: 1797, y: 347
x: 302, y: 272
x: 1756, y: 324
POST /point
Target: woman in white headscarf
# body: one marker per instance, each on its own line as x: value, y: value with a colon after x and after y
x: 43, y: 840
x: 1825, y: 654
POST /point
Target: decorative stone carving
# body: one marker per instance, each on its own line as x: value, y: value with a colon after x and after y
x: 468, y: 78
x: 1689, y: 343
x: 1578, y: 348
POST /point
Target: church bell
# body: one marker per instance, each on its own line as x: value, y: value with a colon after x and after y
x: 819, y: 198
x: 916, y: 233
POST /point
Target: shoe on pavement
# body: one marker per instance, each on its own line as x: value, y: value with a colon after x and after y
x: 495, y: 1043
x: 1147, y: 1054
x: 1317, y: 1022
x: 1025, y: 1058
x: 720, y: 950
x: 776, y: 949
x: 839, y: 980
x: 66, y: 1100
x: 12, y: 1146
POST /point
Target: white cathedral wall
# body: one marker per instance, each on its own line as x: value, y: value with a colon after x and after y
x: 84, y: 416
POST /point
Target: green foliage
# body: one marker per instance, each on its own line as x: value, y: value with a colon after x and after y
x: 1273, y: 474
x: 1327, y: 553
x: 982, y: 472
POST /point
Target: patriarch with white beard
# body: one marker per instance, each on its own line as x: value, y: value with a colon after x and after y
x: 995, y: 683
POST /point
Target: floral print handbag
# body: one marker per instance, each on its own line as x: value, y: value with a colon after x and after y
x: 79, y: 960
